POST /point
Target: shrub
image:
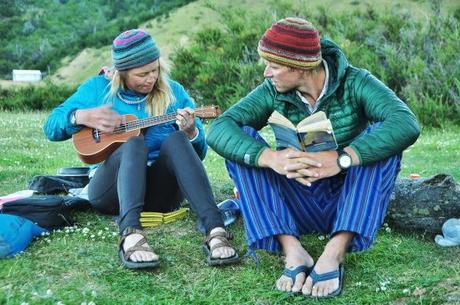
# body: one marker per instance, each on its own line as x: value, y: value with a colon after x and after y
x: 418, y: 59
x: 40, y: 97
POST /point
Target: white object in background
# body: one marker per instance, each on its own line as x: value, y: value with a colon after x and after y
x: 451, y: 232
x: 27, y: 75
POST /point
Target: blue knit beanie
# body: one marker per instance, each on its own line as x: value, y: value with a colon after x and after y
x: 132, y: 49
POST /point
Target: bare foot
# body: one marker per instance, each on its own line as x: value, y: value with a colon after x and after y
x: 322, y: 288
x: 220, y: 252
x: 138, y: 256
x: 296, y: 256
x: 333, y: 255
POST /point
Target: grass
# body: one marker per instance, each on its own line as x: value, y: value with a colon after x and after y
x: 79, y: 265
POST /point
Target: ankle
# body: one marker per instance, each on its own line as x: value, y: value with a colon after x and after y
x: 217, y: 229
x: 289, y: 243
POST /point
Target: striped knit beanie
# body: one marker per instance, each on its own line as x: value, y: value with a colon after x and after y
x: 132, y: 49
x: 291, y: 42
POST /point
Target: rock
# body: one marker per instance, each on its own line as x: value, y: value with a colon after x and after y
x: 424, y: 204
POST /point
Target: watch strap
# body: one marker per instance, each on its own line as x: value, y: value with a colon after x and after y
x: 341, y: 152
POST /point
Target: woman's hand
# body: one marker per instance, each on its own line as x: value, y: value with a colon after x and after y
x: 102, y: 118
x: 185, y: 119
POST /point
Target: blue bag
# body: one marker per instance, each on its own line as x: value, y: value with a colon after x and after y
x: 16, y: 233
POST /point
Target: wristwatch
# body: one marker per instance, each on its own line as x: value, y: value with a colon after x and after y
x: 344, y: 160
x: 73, y: 118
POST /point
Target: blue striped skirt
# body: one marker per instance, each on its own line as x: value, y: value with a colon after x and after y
x: 272, y: 204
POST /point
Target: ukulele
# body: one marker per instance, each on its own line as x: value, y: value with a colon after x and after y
x: 94, y: 146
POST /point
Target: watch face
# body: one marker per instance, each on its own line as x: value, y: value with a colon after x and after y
x: 345, y: 161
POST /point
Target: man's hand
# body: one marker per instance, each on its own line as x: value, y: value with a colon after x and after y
x: 102, y: 118
x: 281, y: 161
x: 301, y: 167
x: 185, y: 119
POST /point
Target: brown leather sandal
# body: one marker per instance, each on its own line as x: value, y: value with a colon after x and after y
x: 224, y: 238
x: 139, y: 246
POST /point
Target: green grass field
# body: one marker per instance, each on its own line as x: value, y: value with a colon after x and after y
x: 79, y: 265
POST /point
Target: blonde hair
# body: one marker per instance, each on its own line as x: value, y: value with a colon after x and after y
x: 159, y: 99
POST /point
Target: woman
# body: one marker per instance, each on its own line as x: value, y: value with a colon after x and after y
x: 150, y: 173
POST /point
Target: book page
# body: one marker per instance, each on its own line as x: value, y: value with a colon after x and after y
x: 278, y: 118
x: 315, y: 117
x: 316, y: 126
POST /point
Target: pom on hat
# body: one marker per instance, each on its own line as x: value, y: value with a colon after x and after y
x: 293, y: 42
x: 132, y: 49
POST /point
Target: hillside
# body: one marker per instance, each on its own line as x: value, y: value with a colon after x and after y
x: 181, y: 23
x: 37, y: 34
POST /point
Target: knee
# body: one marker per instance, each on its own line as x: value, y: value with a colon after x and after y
x: 177, y: 141
x: 135, y: 145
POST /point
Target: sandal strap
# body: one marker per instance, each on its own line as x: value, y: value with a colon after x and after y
x: 129, y: 231
x: 139, y: 246
x: 223, y: 243
x: 223, y: 237
x: 220, y: 235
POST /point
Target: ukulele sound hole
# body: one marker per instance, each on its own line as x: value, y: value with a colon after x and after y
x: 96, y: 135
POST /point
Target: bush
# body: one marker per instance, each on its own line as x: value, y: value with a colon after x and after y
x: 419, y: 60
x: 221, y: 66
x: 40, y: 97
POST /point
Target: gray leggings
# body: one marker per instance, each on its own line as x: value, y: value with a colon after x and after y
x: 124, y: 185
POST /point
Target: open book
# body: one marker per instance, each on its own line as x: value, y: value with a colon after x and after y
x: 312, y: 134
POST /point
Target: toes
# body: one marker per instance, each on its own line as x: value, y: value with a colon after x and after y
x: 223, y: 252
x: 299, y: 280
x: 284, y: 284
x: 307, y: 287
x: 314, y: 291
x: 135, y: 257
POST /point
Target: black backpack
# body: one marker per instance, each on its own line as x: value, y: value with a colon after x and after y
x: 49, y: 212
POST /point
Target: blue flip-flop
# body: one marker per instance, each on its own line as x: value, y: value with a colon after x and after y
x: 337, y: 273
x: 292, y: 273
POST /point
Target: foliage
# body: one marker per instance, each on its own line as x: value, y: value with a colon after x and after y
x: 417, y: 59
x: 32, y: 97
x: 36, y: 34
x: 220, y: 65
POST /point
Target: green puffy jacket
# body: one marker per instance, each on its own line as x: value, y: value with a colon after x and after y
x: 354, y: 99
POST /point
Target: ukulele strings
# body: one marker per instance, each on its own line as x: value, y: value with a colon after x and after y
x: 137, y: 124
x: 151, y: 121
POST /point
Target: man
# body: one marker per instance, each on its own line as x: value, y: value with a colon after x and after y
x: 286, y: 193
